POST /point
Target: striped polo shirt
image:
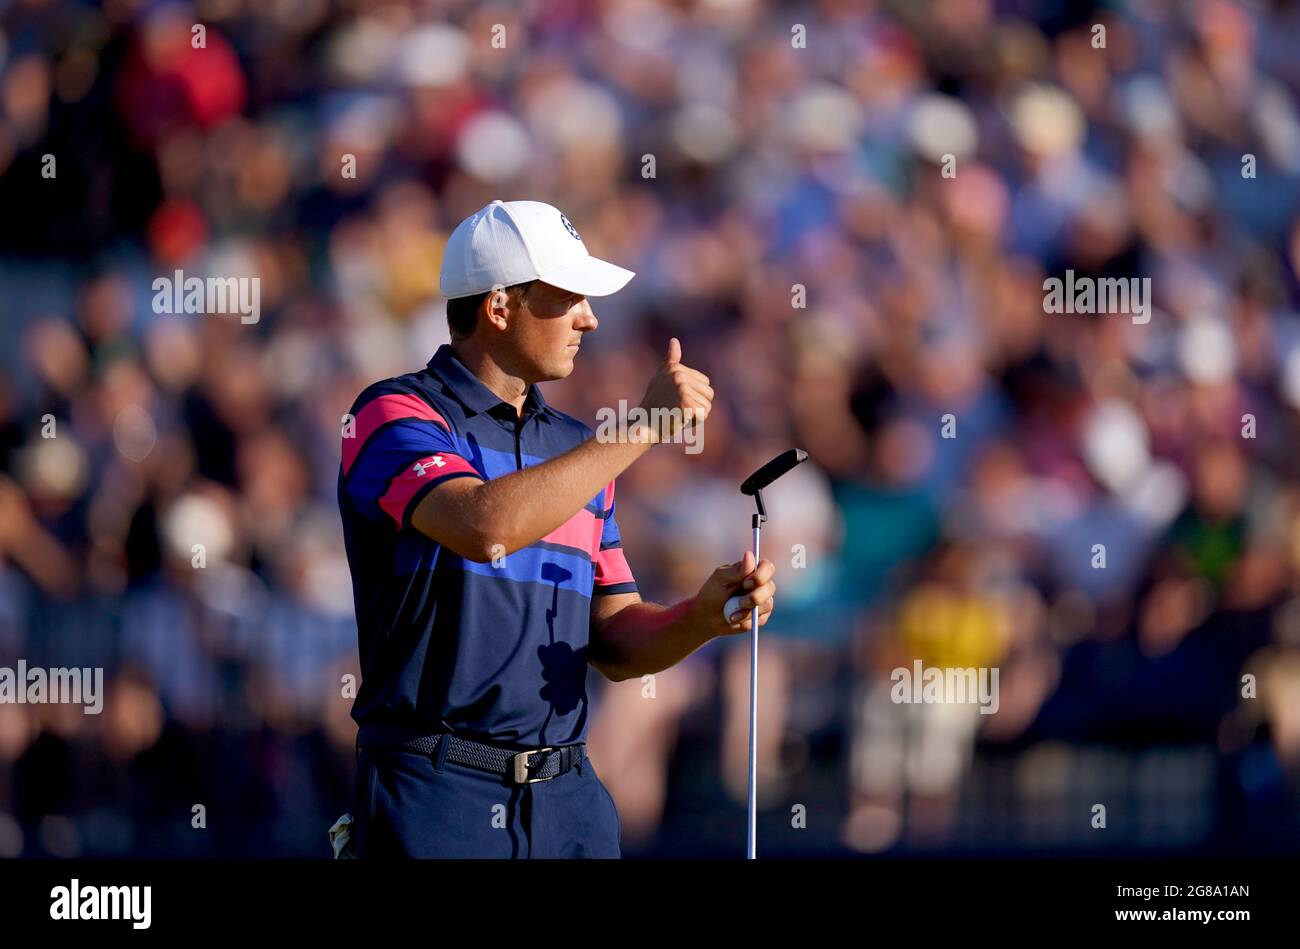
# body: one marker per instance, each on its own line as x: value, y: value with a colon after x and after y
x: 492, y: 651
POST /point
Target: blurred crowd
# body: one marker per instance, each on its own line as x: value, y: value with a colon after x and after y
x: 846, y: 211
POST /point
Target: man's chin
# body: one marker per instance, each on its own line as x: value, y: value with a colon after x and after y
x: 562, y: 368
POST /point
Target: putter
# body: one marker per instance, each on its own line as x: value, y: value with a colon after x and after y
x: 754, y: 485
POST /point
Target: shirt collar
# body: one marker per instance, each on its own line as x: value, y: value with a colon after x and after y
x: 470, y: 391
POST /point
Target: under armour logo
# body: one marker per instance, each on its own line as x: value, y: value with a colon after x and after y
x: 572, y: 230
x: 420, y: 466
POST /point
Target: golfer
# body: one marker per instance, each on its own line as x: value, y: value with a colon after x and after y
x: 487, y: 566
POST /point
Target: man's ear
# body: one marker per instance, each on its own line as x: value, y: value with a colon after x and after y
x: 498, y: 307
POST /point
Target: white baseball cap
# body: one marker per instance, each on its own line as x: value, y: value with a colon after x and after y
x: 510, y: 242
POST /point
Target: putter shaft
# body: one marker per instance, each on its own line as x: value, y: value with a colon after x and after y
x: 752, y: 841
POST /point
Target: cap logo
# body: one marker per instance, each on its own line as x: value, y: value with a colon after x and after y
x: 571, y: 229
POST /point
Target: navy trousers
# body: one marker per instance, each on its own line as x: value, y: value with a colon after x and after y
x: 418, y: 805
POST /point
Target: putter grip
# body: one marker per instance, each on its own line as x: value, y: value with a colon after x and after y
x: 772, y: 470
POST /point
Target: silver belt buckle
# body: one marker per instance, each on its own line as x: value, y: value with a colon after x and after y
x: 520, y: 760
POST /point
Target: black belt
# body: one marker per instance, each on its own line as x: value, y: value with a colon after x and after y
x: 524, y: 767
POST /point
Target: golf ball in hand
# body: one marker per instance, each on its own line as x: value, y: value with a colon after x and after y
x: 730, y: 607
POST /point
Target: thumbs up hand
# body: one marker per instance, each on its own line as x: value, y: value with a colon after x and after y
x: 676, y: 386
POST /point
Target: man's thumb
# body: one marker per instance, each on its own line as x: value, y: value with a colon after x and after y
x: 674, y: 352
x: 744, y: 566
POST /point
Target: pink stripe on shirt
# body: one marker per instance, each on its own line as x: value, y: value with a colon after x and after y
x: 380, y: 411
x: 582, y: 531
x: 415, y: 477
x: 611, y: 567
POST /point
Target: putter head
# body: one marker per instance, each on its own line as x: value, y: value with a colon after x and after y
x: 772, y: 470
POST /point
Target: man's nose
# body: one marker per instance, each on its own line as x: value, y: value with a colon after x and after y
x: 586, y: 318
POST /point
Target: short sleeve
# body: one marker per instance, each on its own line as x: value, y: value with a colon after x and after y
x: 397, y: 449
x: 613, y: 575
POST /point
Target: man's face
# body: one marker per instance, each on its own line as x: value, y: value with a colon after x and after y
x: 546, y: 330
